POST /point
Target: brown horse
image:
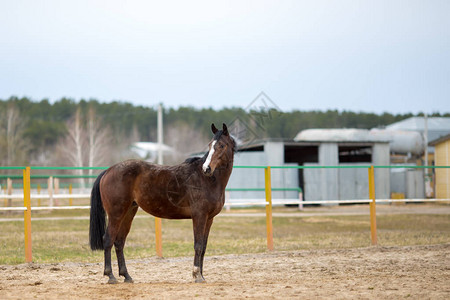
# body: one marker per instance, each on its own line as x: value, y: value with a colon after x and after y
x: 193, y: 190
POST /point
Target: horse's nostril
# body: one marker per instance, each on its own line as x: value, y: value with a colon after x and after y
x: 207, y: 170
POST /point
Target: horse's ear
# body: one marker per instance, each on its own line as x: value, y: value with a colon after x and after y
x: 224, y: 129
x: 213, y: 128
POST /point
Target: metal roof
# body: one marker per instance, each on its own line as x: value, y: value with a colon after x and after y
x: 439, y: 140
x: 400, y: 141
x: 339, y: 135
x: 418, y: 124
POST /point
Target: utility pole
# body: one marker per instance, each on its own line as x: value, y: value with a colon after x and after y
x: 428, y: 188
x: 160, y: 134
x: 158, y: 223
x: 425, y: 136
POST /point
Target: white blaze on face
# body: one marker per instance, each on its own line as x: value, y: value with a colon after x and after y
x: 208, y: 159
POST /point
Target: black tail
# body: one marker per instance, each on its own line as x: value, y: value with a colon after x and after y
x: 97, y: 223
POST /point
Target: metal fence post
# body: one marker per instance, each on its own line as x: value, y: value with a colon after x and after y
x: 373, y: 214
x: 70, y: 192
x: 158, y: 237
x: 39, y: 192
x: 27, y: 213
x: 268, y: 190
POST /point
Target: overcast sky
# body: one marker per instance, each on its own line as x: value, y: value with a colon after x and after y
x: 371, y: 56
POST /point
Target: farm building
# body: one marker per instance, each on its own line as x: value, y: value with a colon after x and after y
x: 343, y: 147
x: 401, y: 144
x: 347, y: 148
x: 149, y: 151
x: 442, y: 158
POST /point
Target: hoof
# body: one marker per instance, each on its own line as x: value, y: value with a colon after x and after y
x: 112, y: 280
x: 128, y: 280
x: 200, y: 280
x: 198, y: 277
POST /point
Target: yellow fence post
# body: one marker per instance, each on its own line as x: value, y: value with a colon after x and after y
x: 39, y: 192
x: 70, y: 192
x: 268, y: 186
x: 158, y: 237
x: 27, y: 213
x: 373, y: 214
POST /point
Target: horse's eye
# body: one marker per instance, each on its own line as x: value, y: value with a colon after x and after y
x: 222, y: 146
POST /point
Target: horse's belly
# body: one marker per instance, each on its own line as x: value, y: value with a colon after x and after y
x: 164, y: 208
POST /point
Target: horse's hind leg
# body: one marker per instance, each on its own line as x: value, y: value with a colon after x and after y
x: 120, y: 241
x: 108, y: 241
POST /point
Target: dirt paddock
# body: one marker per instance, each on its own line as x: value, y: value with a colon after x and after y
x: 414, y: 272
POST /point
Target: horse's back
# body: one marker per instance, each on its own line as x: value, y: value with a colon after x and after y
x: 123, y: 173
x: 158, y: 190
x: 172, y: 192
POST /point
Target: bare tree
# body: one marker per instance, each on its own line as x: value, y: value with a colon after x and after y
x: 3, y: 143
x: 87, y: 144
x: 134, y: 136
x: 12, y: 141
x: 99, y: 142
x: 75, y: 142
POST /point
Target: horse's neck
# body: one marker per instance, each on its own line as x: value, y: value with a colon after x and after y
x: 223, y: 174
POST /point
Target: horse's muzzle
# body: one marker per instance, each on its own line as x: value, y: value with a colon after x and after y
x: 207, y: 171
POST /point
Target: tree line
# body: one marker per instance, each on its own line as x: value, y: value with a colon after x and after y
x: 45, y: 133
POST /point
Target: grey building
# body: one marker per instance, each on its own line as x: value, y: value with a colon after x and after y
x: 316, y: 183
x: 269, y: 152
x: 349, y: 148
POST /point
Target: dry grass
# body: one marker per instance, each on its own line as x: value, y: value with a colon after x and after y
x: 67, y: 240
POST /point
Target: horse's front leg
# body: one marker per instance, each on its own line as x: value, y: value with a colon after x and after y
x: 205, y: 243
x: 201, y: 233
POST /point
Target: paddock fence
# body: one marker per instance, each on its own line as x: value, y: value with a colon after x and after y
x: 54, y: 194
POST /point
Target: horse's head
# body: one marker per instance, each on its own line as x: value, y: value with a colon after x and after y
x: 221, y: 150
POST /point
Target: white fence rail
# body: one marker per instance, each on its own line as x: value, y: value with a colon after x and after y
x: 228, y: 203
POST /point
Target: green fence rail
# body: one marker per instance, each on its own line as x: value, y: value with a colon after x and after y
x: 82, y: 176
x: 240, y: 167
x: 71, y: 176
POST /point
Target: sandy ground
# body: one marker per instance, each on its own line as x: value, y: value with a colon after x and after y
x: 415, y: 272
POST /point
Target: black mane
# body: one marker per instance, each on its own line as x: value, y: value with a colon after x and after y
x: 191, y: 160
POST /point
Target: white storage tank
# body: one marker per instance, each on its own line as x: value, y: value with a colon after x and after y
x: 401, y: 141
